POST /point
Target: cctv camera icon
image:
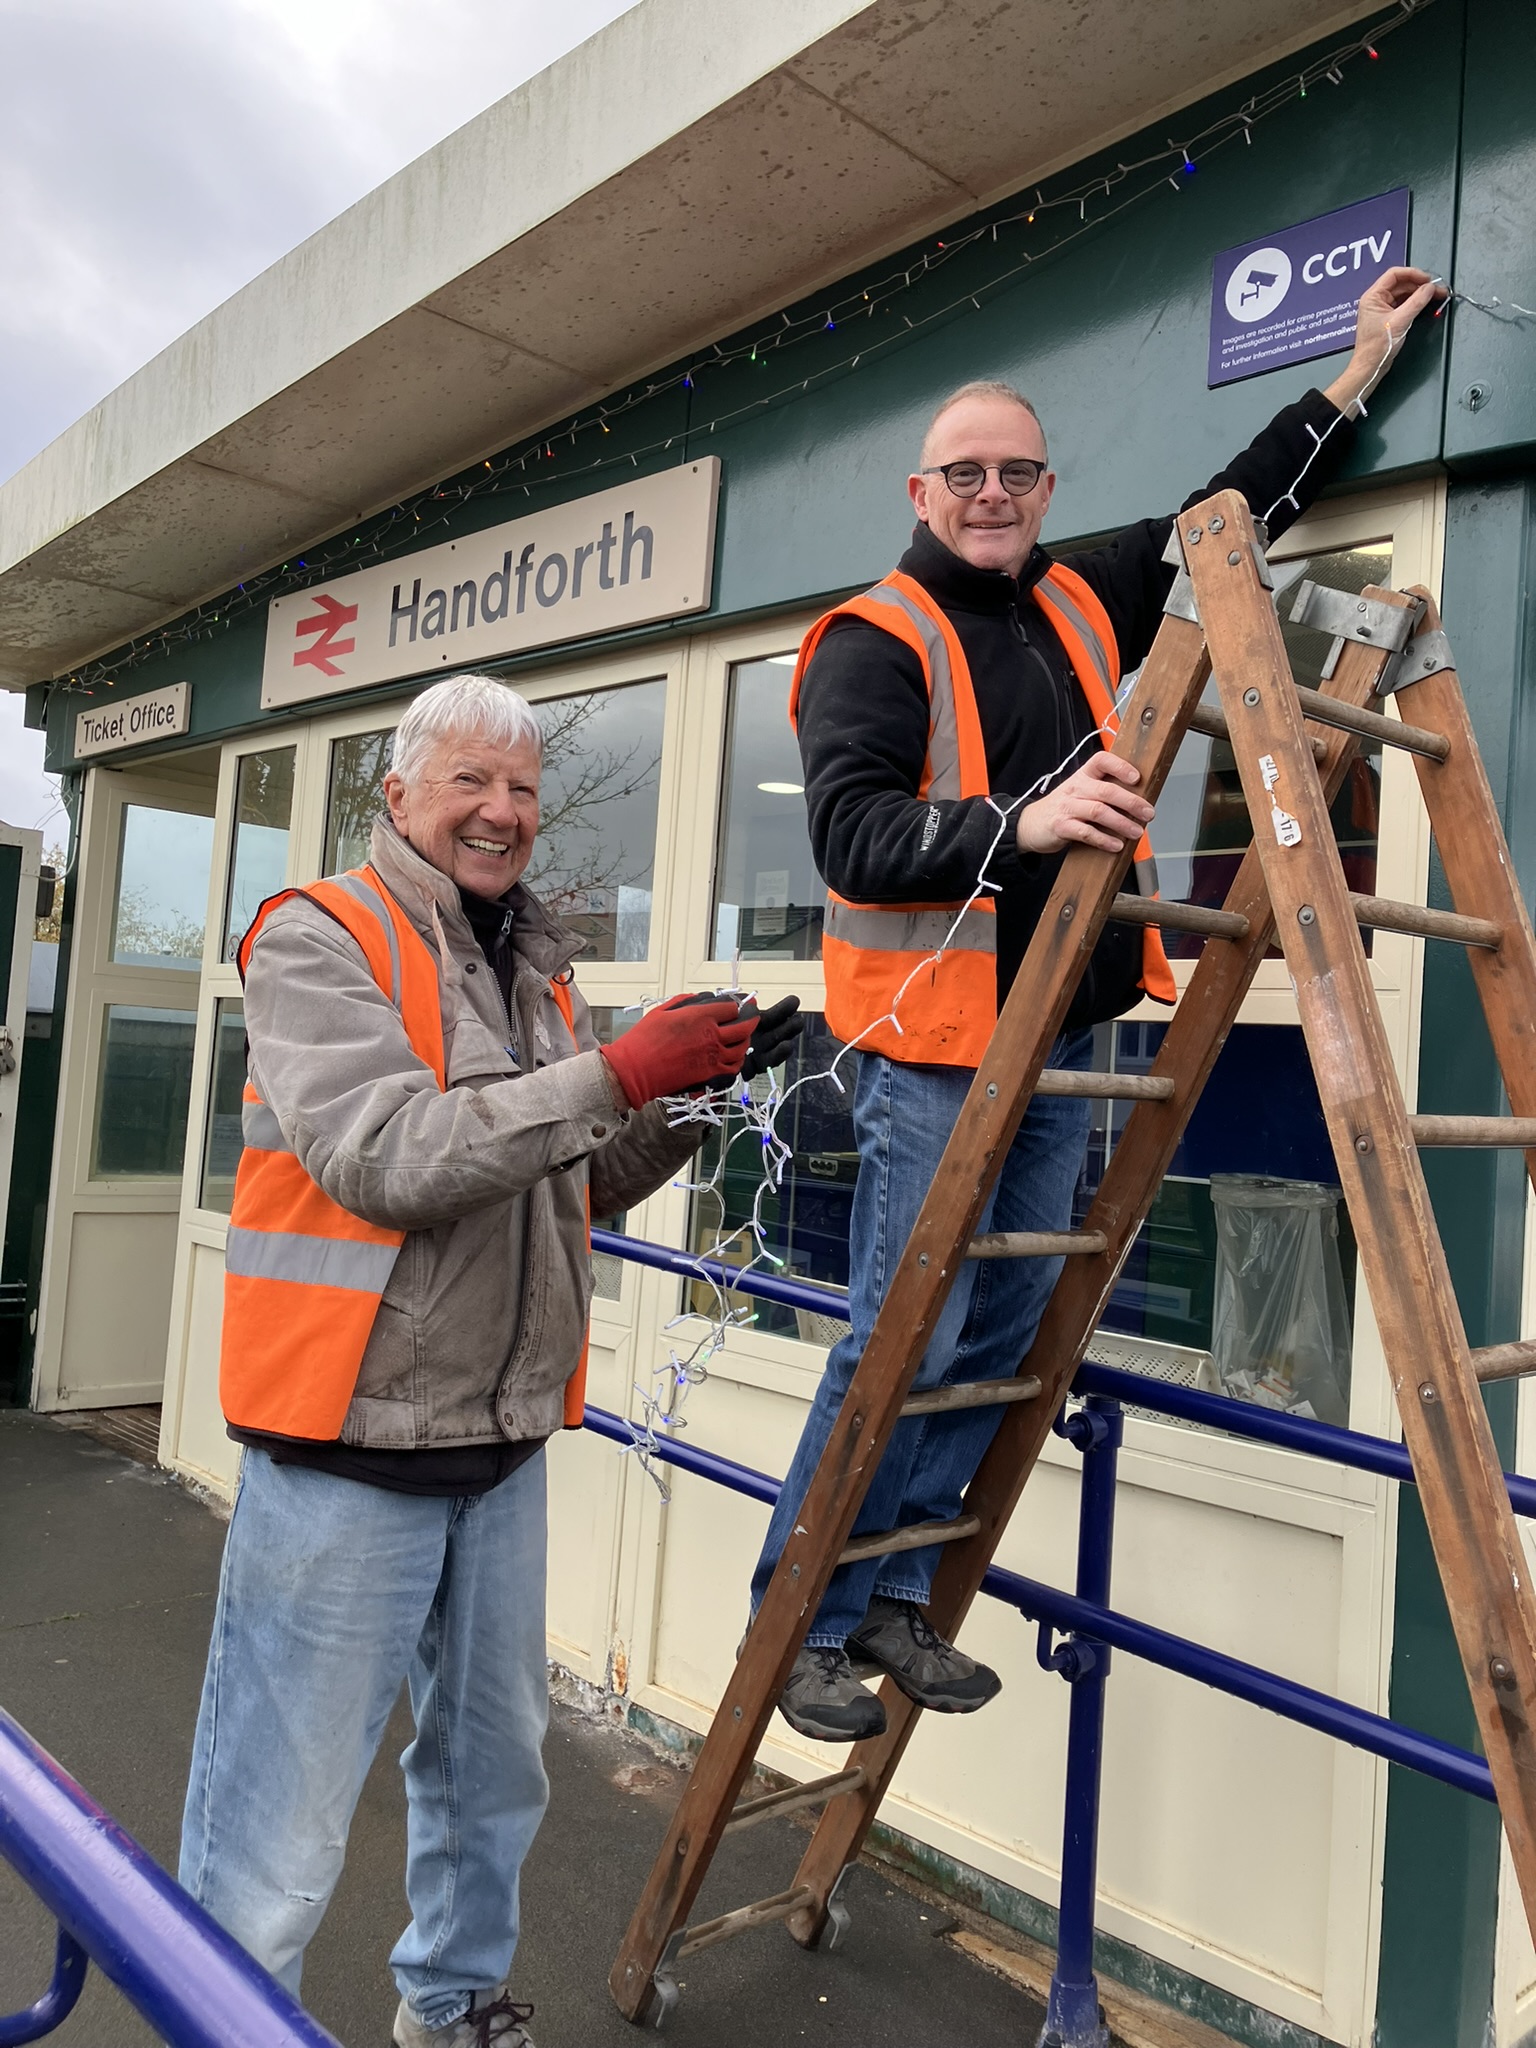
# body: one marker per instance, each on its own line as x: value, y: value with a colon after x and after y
x: 1257, y: 281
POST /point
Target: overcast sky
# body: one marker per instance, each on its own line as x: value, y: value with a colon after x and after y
x: 156, y: 155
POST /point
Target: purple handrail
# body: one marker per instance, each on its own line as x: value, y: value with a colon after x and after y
x: 192, y: 1982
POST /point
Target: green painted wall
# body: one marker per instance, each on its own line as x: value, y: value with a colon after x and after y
x: 1495, y: 243
x: 1441, y: 1879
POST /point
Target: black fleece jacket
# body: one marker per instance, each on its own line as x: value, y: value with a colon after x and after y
x: 863, y: 717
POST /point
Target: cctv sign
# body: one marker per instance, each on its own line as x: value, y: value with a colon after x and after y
x: 624, y: 557
x: 1291, y: 296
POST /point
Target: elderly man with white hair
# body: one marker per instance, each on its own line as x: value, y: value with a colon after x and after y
x: 429, y: 1122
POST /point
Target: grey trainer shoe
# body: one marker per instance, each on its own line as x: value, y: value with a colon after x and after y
x: 493, y: 2021
x: 897, y: 1639
x: 824, y: 1699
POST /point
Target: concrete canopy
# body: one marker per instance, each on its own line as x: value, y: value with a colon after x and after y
x: 684, y: 172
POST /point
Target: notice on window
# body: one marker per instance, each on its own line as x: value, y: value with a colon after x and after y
x: 770, y: 903
x: 1292, y: 295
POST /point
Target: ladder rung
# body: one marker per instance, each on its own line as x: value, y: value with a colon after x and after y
x: 1391, y: 732
x: 1420, y: 922
x: 1212, y: 721
x: 761, y: 1914
x: 1035, y: 1244
x: 971, y: 1394
x: 793, y: 1798
x: 1105, y: 1087
x: 1179, y: 917
x: 916, y: 1536
x: 1505, y: 1361
x: 1516, y: 1133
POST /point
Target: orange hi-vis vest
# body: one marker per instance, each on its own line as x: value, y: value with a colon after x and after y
x: 878, y: 957
x: 303, y: 1276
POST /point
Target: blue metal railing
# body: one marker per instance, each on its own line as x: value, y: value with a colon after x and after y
x: 1092, y: 1629
x: 117, y: 1908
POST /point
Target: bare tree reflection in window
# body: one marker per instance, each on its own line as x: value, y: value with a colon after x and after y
x: 595, y: 859
x: 359, y: 764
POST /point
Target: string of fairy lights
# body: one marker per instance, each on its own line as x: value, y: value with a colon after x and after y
x: 860, y: 324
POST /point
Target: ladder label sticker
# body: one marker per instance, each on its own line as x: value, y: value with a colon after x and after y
x: 1269, y: 771
x: 1287, y: 829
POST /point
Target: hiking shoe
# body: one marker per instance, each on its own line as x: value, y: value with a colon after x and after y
x: 823, y: 1698
x: 897, y: 1639
x: 493, y: 2021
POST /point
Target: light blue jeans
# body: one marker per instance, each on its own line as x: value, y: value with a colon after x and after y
x: 903, y: 1116
x: 331, y: 1593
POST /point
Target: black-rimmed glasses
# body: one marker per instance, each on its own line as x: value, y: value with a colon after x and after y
x: 1018, y: 478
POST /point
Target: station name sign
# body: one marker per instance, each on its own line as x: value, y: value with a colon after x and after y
x: 133, y: 721
x: 640, y: 552
x: 1292, y: 295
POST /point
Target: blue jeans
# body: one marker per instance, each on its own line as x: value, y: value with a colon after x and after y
x: 903, y: 1116
x: 331, y: 1593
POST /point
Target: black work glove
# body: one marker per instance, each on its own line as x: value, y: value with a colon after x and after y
x: 777, y: 1030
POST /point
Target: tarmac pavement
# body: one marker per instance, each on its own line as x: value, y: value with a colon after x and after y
x: 108, y: 1572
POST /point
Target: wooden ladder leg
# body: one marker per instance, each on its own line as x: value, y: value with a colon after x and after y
x: 1069, y: 927
x: 1475, y: 855
x: 1445, y: 1426
x: 1196, y: 1033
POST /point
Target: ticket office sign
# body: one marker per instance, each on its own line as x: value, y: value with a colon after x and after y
x: 133, y: 721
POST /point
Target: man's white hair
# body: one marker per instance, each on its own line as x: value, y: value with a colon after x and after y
x: 469, y: 707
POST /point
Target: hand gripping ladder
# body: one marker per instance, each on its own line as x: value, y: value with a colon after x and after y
x: 1293, y: 748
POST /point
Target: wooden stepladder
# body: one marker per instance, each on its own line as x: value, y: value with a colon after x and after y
x: 1292, y: 748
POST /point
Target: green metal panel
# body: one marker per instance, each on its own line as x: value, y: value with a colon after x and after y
x: 10, y: 882
x: 1108, y: 334
x: 21, y: 1255
x: 1492, y: 354
x: 1442, y: 1851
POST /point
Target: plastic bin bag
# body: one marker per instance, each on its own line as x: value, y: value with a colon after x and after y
x: 1280, y: 1330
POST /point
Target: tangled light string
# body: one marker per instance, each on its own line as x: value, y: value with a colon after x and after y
x: 407, y: 523
x: 687, y: 1364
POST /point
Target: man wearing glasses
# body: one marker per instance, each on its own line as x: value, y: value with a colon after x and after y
x: 951, y: 726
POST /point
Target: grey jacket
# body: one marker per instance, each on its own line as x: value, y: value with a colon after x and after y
x: 481, y: 1322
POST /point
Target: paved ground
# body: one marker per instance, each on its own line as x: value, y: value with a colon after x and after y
x: 107, y: 1578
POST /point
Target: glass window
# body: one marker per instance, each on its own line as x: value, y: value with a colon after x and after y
x: 1242, y: 1278
x: 162, y: 888
x: 1201, y: 830
x: 222, y: 1142
x: 596, y: 853
x: 141, y: 1100
x: 355, y: 798
x: 769, y: 900
x: 258, y: 861
x: 805, y: 1221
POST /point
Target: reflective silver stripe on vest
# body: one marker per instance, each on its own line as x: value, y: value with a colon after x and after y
x: 943, y: 724
x: 1098, y: 654
x: 313, y: 1261
x: 261, y: 1130
x: 898, y: 930
x: 364, y: 893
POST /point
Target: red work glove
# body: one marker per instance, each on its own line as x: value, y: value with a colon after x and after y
x: 680, y: 1044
